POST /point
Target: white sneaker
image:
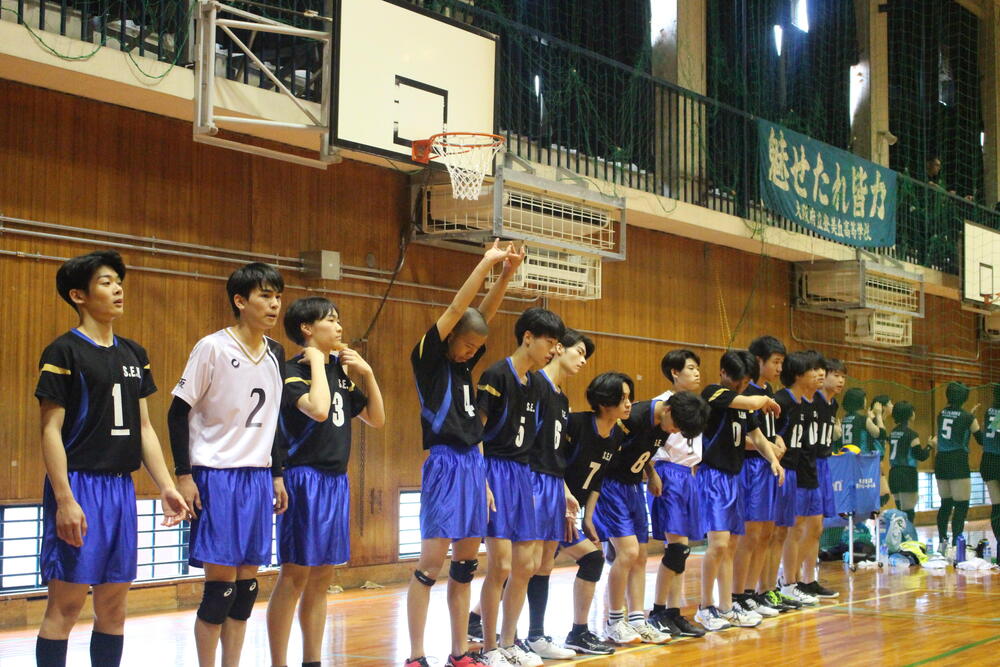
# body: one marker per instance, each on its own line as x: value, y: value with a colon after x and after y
x: 750, y: 603
x: 620, y: 632
x: 516, y: 655
x: 739, y: 618
x: 649, y: 634
x: 752, y: 614
x: 496, y: 658
x: 546, y: 648
x: 711, y: 619
x: 793, y: 591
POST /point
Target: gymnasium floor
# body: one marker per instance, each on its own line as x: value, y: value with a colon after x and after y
x: 915, y: 617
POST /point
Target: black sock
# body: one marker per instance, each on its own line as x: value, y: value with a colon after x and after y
x: 995, y: 521
x: 578, y: 628
x: 659, y: 609
x: 475, y: 618
x: 105, y: 649
x: 944, y: 513
x: 538, y: 598
x: 317, y: 663
x: 51, y: 652
x: 958, y: 519
x: 673, y: 611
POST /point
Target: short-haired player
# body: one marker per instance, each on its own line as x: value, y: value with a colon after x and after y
x: 91, y: 392
x: 719, y: 483
x: 454, y: 495
x: 223, y: 423
x: 313, y: 535
x: 620, y: 513
x: 507, y: 399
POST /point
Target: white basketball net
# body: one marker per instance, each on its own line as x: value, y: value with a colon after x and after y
x: 467, y: 157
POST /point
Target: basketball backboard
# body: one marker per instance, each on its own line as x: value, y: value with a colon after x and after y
x: 401, y: 73
x: 980, y: 263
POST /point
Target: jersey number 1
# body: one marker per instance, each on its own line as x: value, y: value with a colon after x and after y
x: 116, y: 395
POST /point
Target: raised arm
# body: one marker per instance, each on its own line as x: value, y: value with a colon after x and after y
x: 491, y: 302
x: 467, y: 292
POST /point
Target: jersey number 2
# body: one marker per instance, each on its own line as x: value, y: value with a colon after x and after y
x: 261, y: 397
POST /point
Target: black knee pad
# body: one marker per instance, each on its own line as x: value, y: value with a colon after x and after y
x: 591, y: 567
x: 246, y: 595
x: 462, y: 571
x: 423, y: 578
x: 675, y: 556
x: 216, y: 601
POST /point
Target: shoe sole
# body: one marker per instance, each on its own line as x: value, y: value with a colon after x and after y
x: 631, y: 642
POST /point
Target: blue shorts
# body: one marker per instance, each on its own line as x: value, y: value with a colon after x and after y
x: 808, y: 502
x: 234, y: 525
x: 785, y: 508
x: 760, y: 489
x: 621, y: 511
x: 720, y: 497
x: 510, y: 483
x: 675, y: 512
x: 826, y: 487
x: 453, y: 494
x: 549, y: 494
x: 315, y: 529
x: 580, y: 537
x: 108, y: 554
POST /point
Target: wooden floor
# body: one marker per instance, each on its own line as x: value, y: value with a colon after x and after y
x: 913, y: 617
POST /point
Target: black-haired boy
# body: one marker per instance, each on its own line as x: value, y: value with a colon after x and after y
x: 92, y: 390
x: 222, y: 433
x: 507, y: 399
x: 720, y: 486
x: 319, y: 402
x: 620, y: 513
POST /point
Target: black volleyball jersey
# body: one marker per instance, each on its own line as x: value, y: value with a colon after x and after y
x: 760, y: 419
x: 723, y: 443
x: 100, y: 388
x: 806, y: 476
x: 828, y: 420
x: 642, y: 437
x: 549, y: 453
x: 588, y: 455
x: 511, y: 410
x: 445, y: 391
x: 324, y: 445
x: 790, y: 425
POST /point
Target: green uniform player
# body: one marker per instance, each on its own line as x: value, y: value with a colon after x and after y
x: 904, y: 454
x: 989, y: 467
x: 951, y: 465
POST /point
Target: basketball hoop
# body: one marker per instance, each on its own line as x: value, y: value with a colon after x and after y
x: 468, y: 155
x: 990, y: 299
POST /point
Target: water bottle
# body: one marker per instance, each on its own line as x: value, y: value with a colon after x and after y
x: 930, y: 546
x: 960, y: 549
x: 988, y: 553
x: 981, y: 548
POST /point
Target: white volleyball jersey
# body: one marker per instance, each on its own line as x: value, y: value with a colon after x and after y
x: 677, y: 448
x: 235, y: 400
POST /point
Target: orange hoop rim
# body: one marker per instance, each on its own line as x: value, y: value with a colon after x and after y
x: 990, y: 299
x: 421, y: 148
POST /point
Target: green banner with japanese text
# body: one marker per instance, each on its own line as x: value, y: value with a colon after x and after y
x: 834, y: 193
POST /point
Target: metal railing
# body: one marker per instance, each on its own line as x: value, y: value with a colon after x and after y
x: 162, y: 551
x: 557, y: 104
